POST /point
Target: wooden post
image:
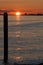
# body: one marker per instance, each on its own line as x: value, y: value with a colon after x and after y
x: 5, y: 37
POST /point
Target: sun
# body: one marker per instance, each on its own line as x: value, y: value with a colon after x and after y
x: 18, y: 13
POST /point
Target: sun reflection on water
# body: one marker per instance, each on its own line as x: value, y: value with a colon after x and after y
x: 18, y: 34
x: 18, y: 18
x: 18, y: 49
x: 18, y: 58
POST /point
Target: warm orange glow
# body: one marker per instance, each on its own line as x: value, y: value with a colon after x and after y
x: 18, y: 13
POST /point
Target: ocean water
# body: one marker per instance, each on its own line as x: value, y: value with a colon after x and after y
x: 25, y: 39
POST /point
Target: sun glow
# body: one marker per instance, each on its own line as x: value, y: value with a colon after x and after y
x: 18, y: 13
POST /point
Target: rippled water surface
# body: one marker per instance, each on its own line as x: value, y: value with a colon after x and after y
x: 25, y: 39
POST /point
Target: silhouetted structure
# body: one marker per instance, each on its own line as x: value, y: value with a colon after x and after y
x: 25, y: 14
x: 5, y: 37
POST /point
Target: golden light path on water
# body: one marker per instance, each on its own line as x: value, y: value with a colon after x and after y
x: 17, y: 18
x: 18, y: 35
x: 18, y: 23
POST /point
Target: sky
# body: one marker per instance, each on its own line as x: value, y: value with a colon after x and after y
x: 33, y: 6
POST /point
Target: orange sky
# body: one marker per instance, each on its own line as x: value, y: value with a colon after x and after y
x: 32, y: 6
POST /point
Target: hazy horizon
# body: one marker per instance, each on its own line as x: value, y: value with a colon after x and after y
x: 31, y: 6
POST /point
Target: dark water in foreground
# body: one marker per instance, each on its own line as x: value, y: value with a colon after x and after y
x: 25, y: 39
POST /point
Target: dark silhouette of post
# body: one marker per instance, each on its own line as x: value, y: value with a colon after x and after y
x: 5, y: 37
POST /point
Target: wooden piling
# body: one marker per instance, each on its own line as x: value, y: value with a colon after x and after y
x: 5, y: 37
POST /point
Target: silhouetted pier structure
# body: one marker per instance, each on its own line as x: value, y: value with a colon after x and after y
x: 5, y: 37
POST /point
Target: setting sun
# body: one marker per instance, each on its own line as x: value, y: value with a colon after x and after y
x: 18, y: 13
